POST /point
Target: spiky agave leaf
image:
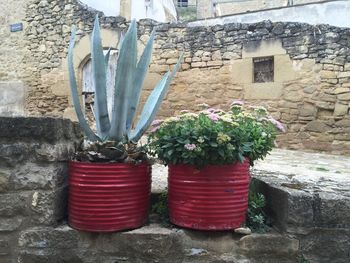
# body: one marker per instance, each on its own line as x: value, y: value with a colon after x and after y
x: 100, y: 80
x: 140, y: 75
x: 124, y: 79
x: 153, y: 103
x: 74, y: 91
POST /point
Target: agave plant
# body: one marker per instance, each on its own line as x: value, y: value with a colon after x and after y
x: 130, y: 76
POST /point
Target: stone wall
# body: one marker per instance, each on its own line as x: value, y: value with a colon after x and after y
x: 33, y: 176
x: 310, y: 92
x: 33, y: 200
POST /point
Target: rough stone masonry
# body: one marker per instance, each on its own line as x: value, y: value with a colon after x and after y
x: 310, y: 91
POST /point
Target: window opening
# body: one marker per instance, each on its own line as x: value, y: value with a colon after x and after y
x: 263, y: 69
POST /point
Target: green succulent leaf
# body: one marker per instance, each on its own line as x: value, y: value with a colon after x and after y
x: 100, y: 80
x: 140, y: 75
x: 74, y: 91
x: 124, y: 79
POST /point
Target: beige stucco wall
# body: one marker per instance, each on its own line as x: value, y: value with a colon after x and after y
x: 13, y: 51
x: 254, y: 5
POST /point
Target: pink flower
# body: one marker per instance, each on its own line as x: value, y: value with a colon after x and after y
x: 278, y: 125
x: 155, y: 128
x: 156, y: 123
x: 190, y: 147
x: 237, y: 102
x: 214, y: 117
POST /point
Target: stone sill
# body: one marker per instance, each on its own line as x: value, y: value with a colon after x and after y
x: 154, y: 243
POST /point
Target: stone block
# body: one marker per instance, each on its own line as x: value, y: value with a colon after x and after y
x: 10, y: 224
x: 13, y: 154
x: 62, y: 237
x: 52, y: 256
x: 326, y: 245
x: 345, y: 74
x: 269, y: 243
x: 325, y: 105
x: 317, y: 126
x: 344, y: 96
x: 46, y: 129
x: 214, y: 63
x: 14, y: 204
x: 327, y: 74
x: 331, y: 211
x: 310, y: 89
x: 307, y: 110
x: 198, y: 64
x: 4, y: 248
x: 49, y: 207
x: 31, y: 176
x: 341, y: 90
x: 263, y: 91
x: 343, y: 123
x: 293, y: 96
x: 340, y: 109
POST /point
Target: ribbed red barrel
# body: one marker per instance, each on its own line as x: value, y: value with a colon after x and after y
x: 214, y: 198
x: 108, y: 197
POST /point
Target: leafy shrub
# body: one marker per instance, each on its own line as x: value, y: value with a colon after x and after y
x: 256, y: 218
x: 214, y: 136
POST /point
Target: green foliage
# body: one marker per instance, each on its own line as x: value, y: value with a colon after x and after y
x: 130, y: 75
x: 161, y: 207
x: 187, y: 13
x: 256, y: 218
x: 214, y: 136
x: 302, y: 259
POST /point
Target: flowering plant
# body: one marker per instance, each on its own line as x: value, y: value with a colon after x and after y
x: 214, y: 137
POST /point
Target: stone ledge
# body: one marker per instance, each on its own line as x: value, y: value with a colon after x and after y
x: 305, y: 191
x: 28, y: 129
x: 153, y: 243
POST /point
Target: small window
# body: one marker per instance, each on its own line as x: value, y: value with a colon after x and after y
x: 182, y: 3
x: 263, y: 69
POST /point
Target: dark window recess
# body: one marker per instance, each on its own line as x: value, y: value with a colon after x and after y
x: 263, y: 69
x: 182, y: 3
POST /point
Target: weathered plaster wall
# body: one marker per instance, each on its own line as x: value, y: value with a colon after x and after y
x: 234, y: 7
x: 326, y: 12
x: 13, y: 52
x: 310, y: 92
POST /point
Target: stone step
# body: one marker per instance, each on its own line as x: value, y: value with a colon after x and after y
x: 153, y: 243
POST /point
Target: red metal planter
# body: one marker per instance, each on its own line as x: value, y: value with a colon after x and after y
x: 214, y: 198
x: 108, y: 197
